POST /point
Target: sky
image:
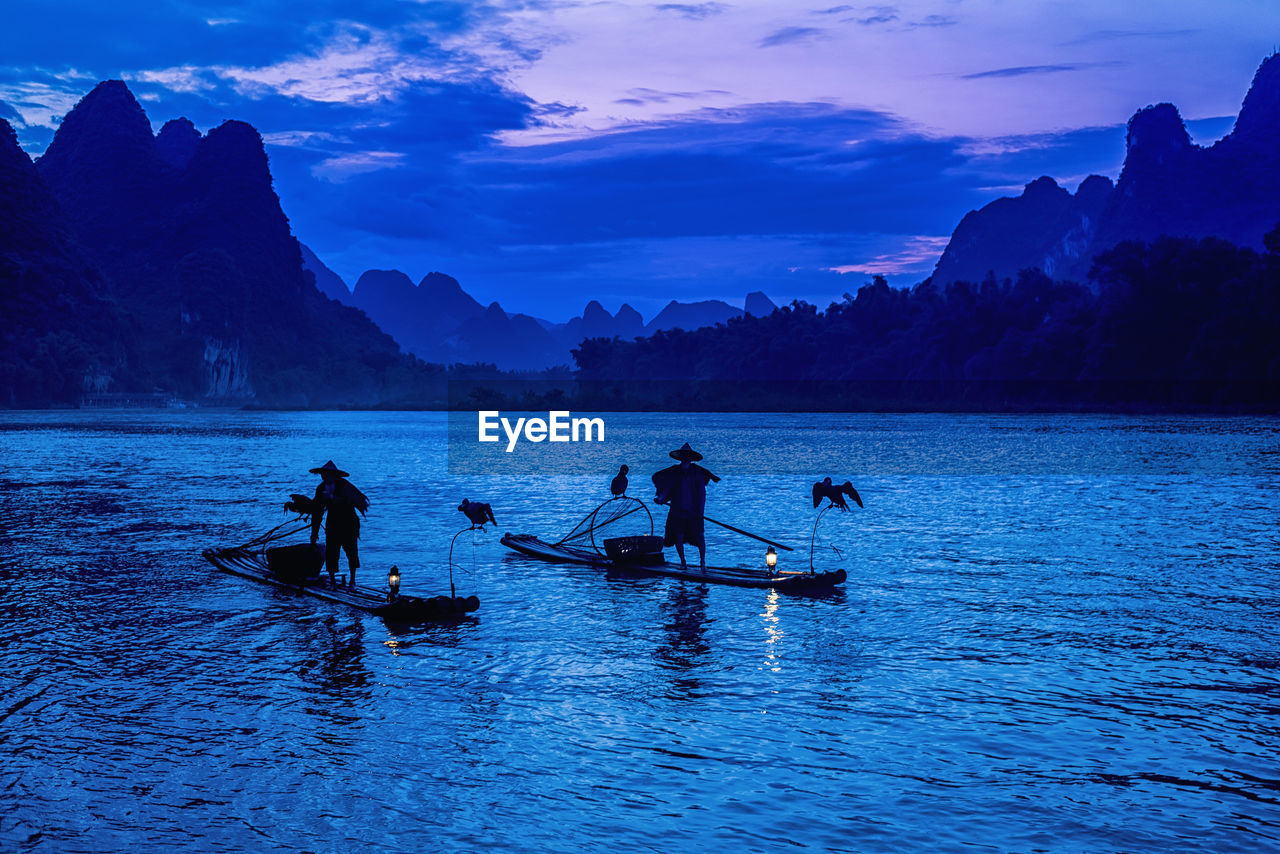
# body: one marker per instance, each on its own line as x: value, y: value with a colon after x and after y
x: 549, y: 152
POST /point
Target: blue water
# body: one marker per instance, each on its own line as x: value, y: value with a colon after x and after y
x: 1058, y: 634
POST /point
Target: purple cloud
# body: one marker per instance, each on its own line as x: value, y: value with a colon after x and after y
x: 1021, y: 70
x: 791, y: 35
x: 693, y: 11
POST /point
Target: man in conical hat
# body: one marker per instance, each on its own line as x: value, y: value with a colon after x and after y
x: 337, y: 500
x: 684, y: 488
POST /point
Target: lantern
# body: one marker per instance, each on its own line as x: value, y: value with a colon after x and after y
x: 393, y: 582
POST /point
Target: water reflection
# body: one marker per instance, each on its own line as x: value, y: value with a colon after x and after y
x: 772, y: 657
x: 335, y: 657
x: 402, y: 637
x: 685, y: 644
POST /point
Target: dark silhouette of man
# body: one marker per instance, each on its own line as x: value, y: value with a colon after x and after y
x: 337, y: 500
x: 684, y: 488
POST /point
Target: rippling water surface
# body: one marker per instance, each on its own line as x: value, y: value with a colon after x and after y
x: 1058, y: 633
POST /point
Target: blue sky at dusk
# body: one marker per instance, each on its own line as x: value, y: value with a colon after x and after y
x: 548, y: 152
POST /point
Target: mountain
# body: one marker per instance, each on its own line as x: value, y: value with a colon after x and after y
x: 627, y: 322
x: 759, y: 305
x: 194, y: 248
x: 692, y: 315
x: 597, y: 322
x: 420, y: 317
x: 32, y: 221
x: 1179, y: 324
x: 384, y: 295
x: 59, y: 336
x: 177, y: 142
x: 512, y: 342
x: 104, y: 168
x: 327, y: 282
x: 437, y: 320
x: 1167, y: 186
x: 1046, y: 227
x: 445, y: 295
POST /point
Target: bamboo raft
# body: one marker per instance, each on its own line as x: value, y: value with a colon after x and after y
x: 296, y: 568
x: 580, y: 547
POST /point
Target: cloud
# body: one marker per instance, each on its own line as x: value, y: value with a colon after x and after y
x: 301, y: 138
x: 775, y: 195
x: 918, y: 253
x: 340, y: 167
x: 41, y: 99
x: 641, y: 96
x: 358, y: 66
x: 934, y: 21
x: 1023, y: 70
x: 1003, y: 165
x: 878, y: 15
x: 693, y: 11
x: 772, y: 168
x: 791, y: 35
x: 1115, y: 35
x: 12, y: 116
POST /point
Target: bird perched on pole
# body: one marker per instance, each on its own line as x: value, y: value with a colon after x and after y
x: 618, y: 486
x: 477, y: 512
x: 836, y: 494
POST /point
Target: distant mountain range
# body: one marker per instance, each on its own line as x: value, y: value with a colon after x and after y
x: 141, y: 262
x: 436, y: 320
x: 1168, y: 186
x: 133, y: 261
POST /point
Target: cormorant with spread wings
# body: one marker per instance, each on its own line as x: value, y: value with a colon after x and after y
x: 836, y: 494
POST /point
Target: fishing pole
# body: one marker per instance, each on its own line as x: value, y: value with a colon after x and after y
x: 814, y: 537
x: 452, y: 592
x: 748, y: 534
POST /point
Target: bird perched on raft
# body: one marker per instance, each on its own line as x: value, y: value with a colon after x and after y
x: 618, y: 486
x: 826, y: 489
x: 478, y: 512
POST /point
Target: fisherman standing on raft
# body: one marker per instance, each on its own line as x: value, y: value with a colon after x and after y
x: 341, y: 500
x: 684, y: 487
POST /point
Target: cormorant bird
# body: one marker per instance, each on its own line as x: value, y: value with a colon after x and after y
x: 477, y: 512
x: 618, y: 486
x: 826, y: 489
x: 300, y: 504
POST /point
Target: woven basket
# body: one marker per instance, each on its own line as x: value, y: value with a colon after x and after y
x: 634, y: 550
x: 295, y: 563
